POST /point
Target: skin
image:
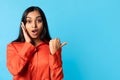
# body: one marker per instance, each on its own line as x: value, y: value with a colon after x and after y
x: 33, y: 28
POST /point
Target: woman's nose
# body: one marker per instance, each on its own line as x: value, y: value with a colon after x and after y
x: 34, y: 25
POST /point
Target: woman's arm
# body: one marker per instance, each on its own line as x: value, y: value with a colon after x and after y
x: 17, y: 59
x: 55, y: 62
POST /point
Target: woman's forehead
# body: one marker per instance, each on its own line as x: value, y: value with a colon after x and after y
x: 34, y: 13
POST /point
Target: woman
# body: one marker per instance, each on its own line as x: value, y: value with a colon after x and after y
x: 33, y: 55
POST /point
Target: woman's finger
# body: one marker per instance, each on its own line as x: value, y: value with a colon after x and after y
x: 22, y: 26
x: 64, y: 43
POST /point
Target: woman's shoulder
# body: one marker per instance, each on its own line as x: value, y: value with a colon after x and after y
x: 15, y: 44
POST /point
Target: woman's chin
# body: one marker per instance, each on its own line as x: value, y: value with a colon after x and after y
x: 34, y: 37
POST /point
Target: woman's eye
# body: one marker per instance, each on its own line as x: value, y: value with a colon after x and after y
x: 39, y: 20
x: 29, y: 21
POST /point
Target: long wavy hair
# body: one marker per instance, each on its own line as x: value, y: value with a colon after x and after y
x: 45, y: 36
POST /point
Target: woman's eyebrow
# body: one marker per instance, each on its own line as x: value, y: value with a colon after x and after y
x: 28, y: 17
x: 39, y: 16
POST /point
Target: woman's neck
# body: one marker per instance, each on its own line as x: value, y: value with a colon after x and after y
x: 36, y: 41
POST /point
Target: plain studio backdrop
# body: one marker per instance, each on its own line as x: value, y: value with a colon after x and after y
x: 91, y: 28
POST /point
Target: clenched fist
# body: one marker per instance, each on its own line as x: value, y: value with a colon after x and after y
x: 55, y: 44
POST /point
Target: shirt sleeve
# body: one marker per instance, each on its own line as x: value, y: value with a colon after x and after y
x: 17, y: 59
x: 55, y: 62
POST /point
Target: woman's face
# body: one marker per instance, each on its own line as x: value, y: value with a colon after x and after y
x: 34, y: 24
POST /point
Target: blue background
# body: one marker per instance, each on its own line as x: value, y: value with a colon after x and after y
x: 91, y: 28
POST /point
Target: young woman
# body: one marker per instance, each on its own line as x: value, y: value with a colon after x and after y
x: 33, y: 55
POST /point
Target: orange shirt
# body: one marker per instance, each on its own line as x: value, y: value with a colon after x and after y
x: 27, y: 62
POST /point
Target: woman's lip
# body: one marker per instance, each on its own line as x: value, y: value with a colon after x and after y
x: 34, y: 31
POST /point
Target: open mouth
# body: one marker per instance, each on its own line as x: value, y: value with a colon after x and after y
x: 35, y: 31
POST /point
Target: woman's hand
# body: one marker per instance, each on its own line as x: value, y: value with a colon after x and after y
x: 55, y: 44
x: 26, y: 36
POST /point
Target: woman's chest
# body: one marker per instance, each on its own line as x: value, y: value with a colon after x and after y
x: 40, y: 58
